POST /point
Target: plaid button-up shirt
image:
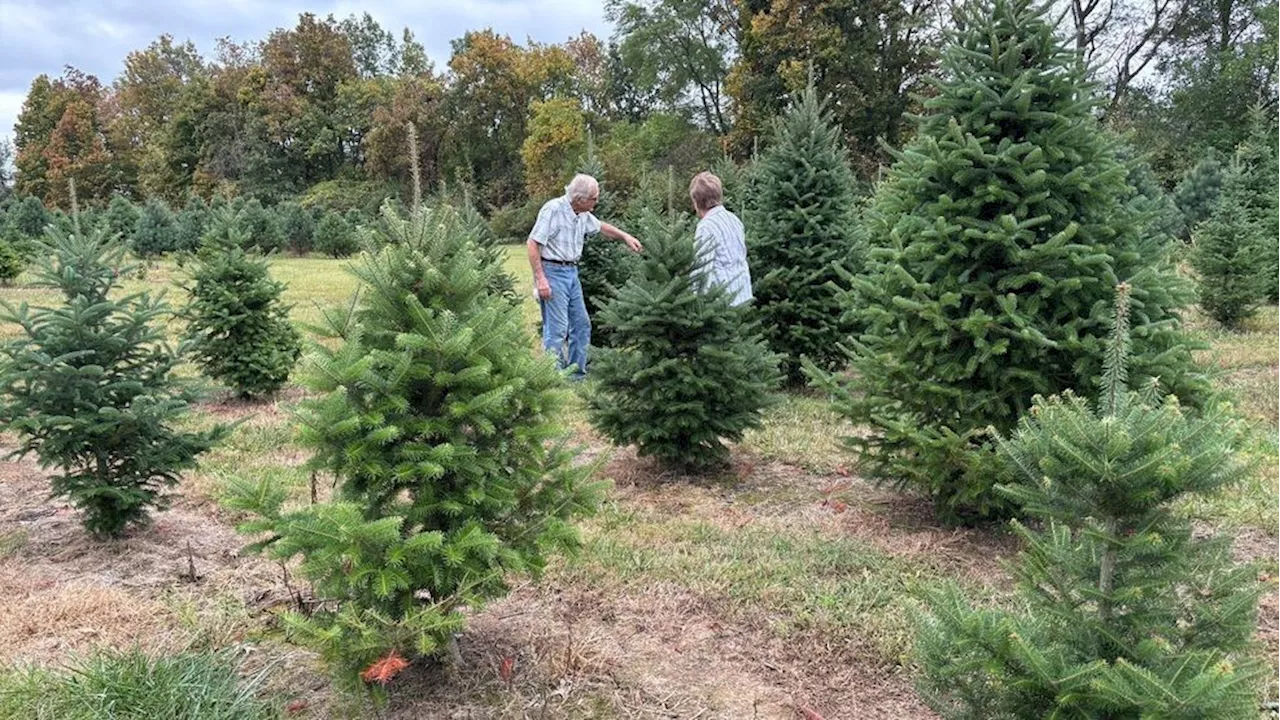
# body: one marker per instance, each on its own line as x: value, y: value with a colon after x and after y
x: 560, y: 231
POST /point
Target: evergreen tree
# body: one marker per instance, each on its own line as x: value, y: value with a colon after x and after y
x: 192, y: 223
x: 10, y: 261
x: 28, y: 218
x: 156, y: 231
x: 297, y: 225
x: 801, y: 236
x: 334, y: 237
x: 89, y: 389
x: 491, y: 250
x: 1259, y: 155
x: 1197, y: 193
x: 997, y: 240
x: 120, y: 219
x: 1126, y: 613
x: 687, y: 370
x: 238, y: 328
x: 1228, y: 251
x: 606, y: 263
x: 261, y: 228
x: 435, y: 416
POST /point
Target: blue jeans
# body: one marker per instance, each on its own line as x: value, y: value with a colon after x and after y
x: 566, y: 328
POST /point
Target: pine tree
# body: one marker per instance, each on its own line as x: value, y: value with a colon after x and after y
x: 606, y: 263
x: 1197, y: 193
x: 997, y: 240
x: 297, y: 225
x: 120, y: 219
x: 260, y: 226
x: 1259, y: 154
x: 88, y: 388
x: 1228, y: 251
x: 24, y: 225
x: 237, y: 326
x: 800, y: 234
x: 155, y: 232
x: 435, y: 415
x: 191, y: 225
x: 1126, y: 613
x: 687, y: 370
x: 334, y: 237
x: 11, y: 263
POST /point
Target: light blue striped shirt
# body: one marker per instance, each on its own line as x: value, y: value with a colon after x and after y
x: 560, y: 231
x: 722, y: 245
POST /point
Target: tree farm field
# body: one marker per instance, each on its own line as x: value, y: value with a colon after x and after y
x: 781, y: 588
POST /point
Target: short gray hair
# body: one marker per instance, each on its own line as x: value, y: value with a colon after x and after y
x: 581, y: 187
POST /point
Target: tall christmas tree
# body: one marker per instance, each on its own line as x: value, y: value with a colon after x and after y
x: 997, y: 240
x: 687, y: 370
x: 1127, y: 614
x: 606, y: 263
x: 89, y: 388
x: 237, y: 325
x: 436, y: 416
x: 1229, y: 250
x: 800, y: 234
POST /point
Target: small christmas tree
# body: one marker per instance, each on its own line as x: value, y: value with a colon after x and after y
x: 687, y: 370
x: 156, y: 232
x: 606, y: 263
x: 89, y: 387
x: 1197, y: 193
x: 800, y: 236
x: 10, y: 261
x: 1127, y: 614
x: 996, y: 243
x: 297, y: 225
x: 237, y: 326
x: 1228, y: 251
x: 262, y: 230
x: 435, y: 416
x: 192, y: 223
x: 120, y: 219
x: 334, y: 237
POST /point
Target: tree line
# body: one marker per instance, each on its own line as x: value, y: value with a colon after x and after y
x: 318, y: 112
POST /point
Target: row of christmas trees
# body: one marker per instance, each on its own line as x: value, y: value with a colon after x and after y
x: 987, y: 280
x: 1007, y: 268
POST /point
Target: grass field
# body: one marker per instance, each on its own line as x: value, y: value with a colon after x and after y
x: 779, y: 588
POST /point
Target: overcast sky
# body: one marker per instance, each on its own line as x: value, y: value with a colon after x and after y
x: 95, y: 35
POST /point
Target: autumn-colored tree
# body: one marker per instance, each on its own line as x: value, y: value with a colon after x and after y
x: 414, y: 99
x: 557, y: 138
x: 871, y: 56
x: 487, y: 103
x: 59, y: 135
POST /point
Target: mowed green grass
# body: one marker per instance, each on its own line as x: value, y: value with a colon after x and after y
x: 785, y: 578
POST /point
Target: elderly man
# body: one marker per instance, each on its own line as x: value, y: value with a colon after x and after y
x: 555, y: 246
x: 720, y: 239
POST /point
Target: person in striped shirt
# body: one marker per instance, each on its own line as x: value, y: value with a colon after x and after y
x: 720, y: 239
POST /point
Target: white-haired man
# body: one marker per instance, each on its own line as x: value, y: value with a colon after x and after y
x: 555, y: 246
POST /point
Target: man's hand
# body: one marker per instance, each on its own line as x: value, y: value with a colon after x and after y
x: 544, y: 288
x: 633, y: 243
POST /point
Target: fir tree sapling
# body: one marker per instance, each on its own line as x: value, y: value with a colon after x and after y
x: 155, y: 232
x: 1228, y: 252
x: 800, y: 238
x: 687, y: 370
x: 996, y: 242
x: 1126, y: 613
x: 435, y: 415
x: 88, y: 386
x: 606, y: 263
x: 237, y: 326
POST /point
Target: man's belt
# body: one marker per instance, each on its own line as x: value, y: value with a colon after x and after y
x: 571, y: 263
